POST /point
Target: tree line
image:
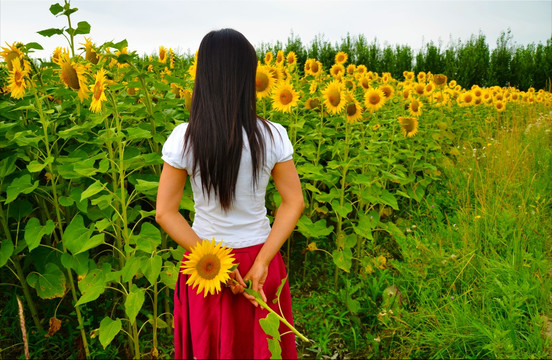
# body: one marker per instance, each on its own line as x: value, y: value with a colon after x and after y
x: 468, y: 62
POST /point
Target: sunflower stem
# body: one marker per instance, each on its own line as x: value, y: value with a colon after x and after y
x: 260, y: 301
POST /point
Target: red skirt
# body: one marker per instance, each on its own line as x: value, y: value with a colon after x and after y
x: 226, y: 326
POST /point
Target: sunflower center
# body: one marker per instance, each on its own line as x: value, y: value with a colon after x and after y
x: 351, y: 109
x: 374, y: 99
x: 468, y: 98
x: 208, y: 266
x: 261, y: 82
x: 408, y: 124
x: 314, y: 67
x: 92, y: 56
x: 285, y: 97
x: 387, y: 91
x: 414, y: 106
x: 18, y: 78
x: 334, y: 97
x: 97, y: 90
x: 69, y: 76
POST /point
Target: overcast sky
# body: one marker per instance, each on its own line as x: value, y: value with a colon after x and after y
x: 181, y: 24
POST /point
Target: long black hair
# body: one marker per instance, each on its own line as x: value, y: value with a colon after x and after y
x: 223, y: 105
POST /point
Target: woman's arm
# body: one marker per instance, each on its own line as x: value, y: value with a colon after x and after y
x: 288, y: 213
x: 169, y: 194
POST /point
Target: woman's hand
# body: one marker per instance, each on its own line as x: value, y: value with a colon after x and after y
x: 239, y: 286
x: 257, y: 274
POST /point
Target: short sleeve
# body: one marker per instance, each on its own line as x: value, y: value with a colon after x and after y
x: 284, y: 148
x: 173, y: 147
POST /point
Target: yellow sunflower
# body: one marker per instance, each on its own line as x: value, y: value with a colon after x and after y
x: 208, y: 265
x: 263, y: 81
x: 280, y: 58
x: 268, y: 58
x: 13, y: 52
x: 337, y: 69
x: 313, y: 104
x: 388, y: 91
x: 361, y: 70
x: 466, y: 99
x: 341, y: 57
x: 354, y: 110
x: 415, y: 107
x: 408, y: 75
x: 192, y: 70
x: 276, y: 73
x: 187, y: 95
x: 409, y: 125
x: 72, y: 75
x: 452, y: 84
x: 333, y: 97
x: 351, y: 68
x: 58, y: 54
x: 162, y: 54
x: 291, y: 58
x: 16, y: 80
x: 316, y: 68
x: 364, y: 82
x: 439, y: 80
x: 419, y: 89
x: 171, y: 58
x: 500, y: 105
x: 284, y: 97
x: 98, y: 91
x: 422, y: 76
x: 374, y: 99
x: 91, y: 54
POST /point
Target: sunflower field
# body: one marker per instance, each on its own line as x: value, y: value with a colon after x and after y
x: 426, y: 231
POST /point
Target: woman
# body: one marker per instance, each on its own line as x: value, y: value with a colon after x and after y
x: 229, y: 154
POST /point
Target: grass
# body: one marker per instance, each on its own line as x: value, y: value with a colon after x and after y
x: 476, y: 272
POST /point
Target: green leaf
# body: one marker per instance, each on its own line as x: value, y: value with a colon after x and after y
x: 147, y: 187
x: 78, y: 263
x: 35, y: 166
x: 92, y: 190
x: 33, y: 45
x: 343, y: 259
x: 91, y: 286
x: 34, y: 232
x: 152, y: 268
x: 76, y: 237
x: 148, y: 238
x: 134, y: 133
x: 119, y: 46
x: 65, y: 201
x: 279, y: 291
x: 56, y: 9
x: 312, y: 230
x: 108, y: 330
x: 20, y: 185
x: 132, y: 266
x: 83, y: 28
x: 7, y: 166
x: 6, y: 251
x: 50, y: 32
x: 169, y: 275
x: 344, y: 210
x: 389, y: 199
x: 270, y: 325
x: 366, y: 223
x: 133, y: 303
x: 49, y: 285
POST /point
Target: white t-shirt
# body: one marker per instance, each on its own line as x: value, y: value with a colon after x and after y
x: 245, y: 223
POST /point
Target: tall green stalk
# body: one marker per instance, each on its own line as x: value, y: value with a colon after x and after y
x: 59, y: 220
